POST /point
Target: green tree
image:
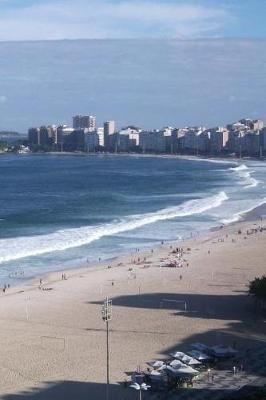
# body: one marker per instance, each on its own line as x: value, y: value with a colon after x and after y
x: 257, y: 288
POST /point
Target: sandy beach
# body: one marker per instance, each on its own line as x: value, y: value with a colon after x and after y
x: 53, y: 341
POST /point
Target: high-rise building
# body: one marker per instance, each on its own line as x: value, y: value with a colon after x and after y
x: 77, y: 121
x: 84, y: 121
x: 109, y: 129
x: 218, y: 139
x: 34, y: 136
x: 91, y: 141
x: 62, y: 132
x: 44, y: 138
x: 100, y: 132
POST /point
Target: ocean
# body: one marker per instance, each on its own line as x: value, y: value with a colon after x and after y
x: 61, y: 211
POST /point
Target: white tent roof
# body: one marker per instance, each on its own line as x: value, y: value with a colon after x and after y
x: 184, y: 370
x: 199, y: 355
x: 190, y: 360
x: 178, y: 354
x: 156, y: 364
x: 176, y: 364
x: 185, y: 358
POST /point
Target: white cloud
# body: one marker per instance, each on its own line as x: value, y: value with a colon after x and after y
x: 104, y: 19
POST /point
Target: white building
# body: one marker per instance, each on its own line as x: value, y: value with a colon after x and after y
x: 100, y: 133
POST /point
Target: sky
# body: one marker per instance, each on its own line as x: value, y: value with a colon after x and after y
x: 59, y: 58
x: 105, y: 19
x: 149, y: 83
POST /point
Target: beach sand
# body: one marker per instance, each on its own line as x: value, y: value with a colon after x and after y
x: 53, y: 342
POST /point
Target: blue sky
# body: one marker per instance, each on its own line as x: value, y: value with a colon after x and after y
x: 185, y: 19
x: 150, y: 83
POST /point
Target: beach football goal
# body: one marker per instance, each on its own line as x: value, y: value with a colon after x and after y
x: 173, y: 304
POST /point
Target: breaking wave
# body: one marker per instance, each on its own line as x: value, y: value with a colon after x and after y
x: 16, y: 248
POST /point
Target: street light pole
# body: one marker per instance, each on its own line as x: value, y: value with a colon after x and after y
x: 107, y: 356
x: 106, y: 316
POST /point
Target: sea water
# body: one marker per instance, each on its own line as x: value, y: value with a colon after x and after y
x: 60, y: 211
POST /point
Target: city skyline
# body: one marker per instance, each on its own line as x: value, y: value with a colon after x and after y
x: 244, y: 137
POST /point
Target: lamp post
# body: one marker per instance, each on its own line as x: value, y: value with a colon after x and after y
x: 141, y: 387
x: 106, y: 316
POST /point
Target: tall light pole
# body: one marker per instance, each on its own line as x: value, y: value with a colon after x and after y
x: 106, y: 316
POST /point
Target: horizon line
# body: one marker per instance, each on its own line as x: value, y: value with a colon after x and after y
x: 178, y: 39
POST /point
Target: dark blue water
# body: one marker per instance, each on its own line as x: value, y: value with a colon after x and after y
x: 59, y: 210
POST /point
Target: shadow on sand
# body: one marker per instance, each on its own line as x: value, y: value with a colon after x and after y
x: 238, y: 307
x: 72, y: 390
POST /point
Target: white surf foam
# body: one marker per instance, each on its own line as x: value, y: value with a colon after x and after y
x: 16, y: 248
x: 245, y: 174
x: 209, y: 160
x: 237, y: 216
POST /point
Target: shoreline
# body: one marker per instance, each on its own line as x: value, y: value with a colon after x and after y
x: 202, y: 157
x: 207, y: 158
x: 51, y: 277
